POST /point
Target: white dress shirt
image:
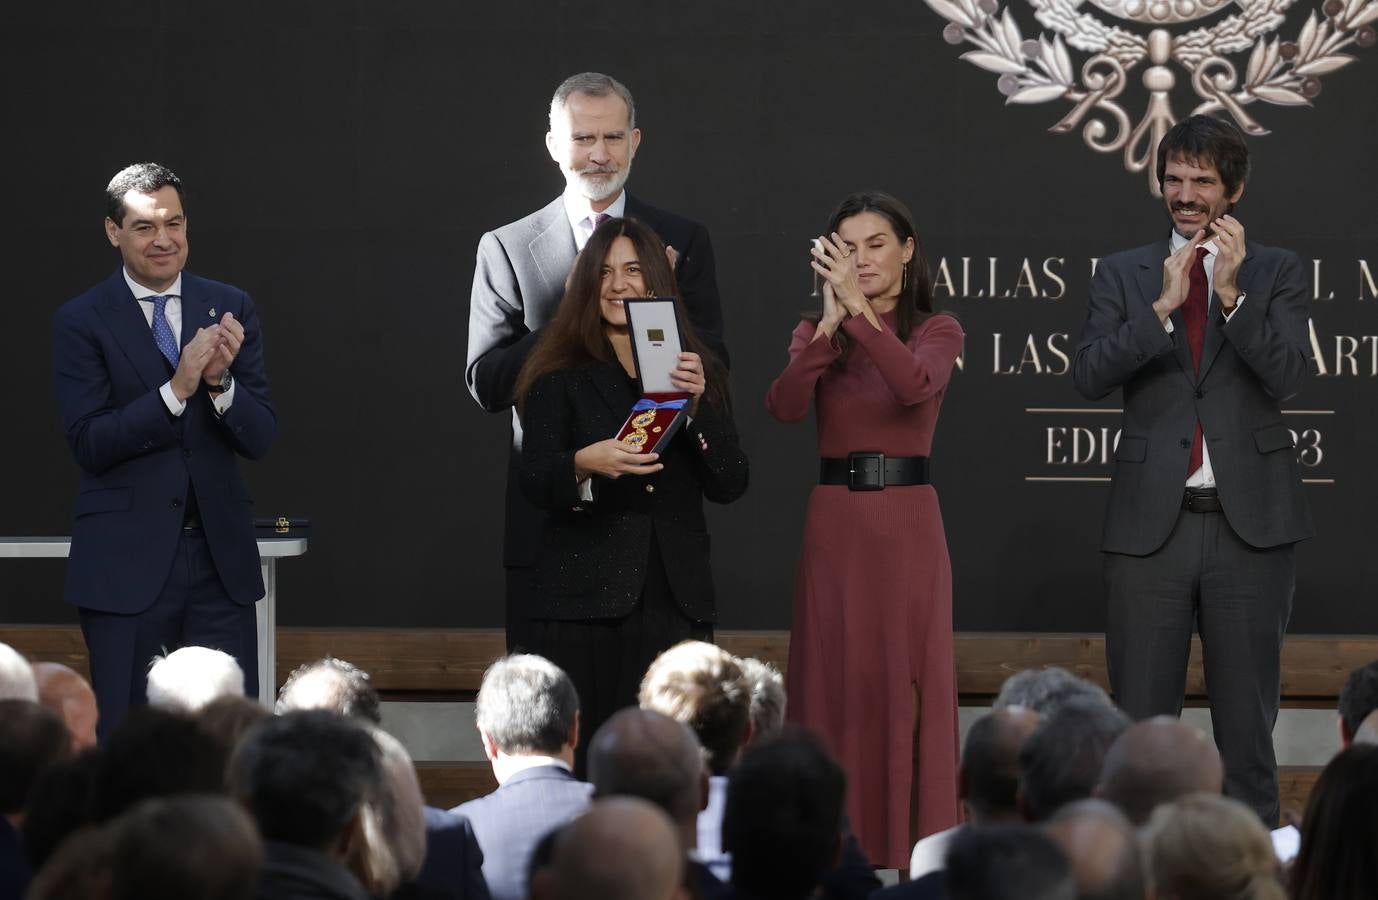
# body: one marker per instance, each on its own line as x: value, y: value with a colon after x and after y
x: 1203, y: 477
x: 580, y: 212
x: 172, y: 311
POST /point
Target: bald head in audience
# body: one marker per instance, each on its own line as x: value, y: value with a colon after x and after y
x: 989, y: 776
x: 623, y: 848
x: 646, y: 754
x: 332, y: 684
x: 1156, y: 761
x: 69, y: 695
x: 1102, y: 847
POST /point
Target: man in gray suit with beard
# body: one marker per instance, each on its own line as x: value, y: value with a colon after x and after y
x: 522, y: 267
x: 1206, y: 333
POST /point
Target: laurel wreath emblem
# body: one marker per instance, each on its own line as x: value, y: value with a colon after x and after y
x: 1040, y: 70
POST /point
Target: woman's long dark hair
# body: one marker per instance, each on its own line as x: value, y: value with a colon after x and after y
x: 1339, y: 835
x: 915, y: 303
x: 575, y: 337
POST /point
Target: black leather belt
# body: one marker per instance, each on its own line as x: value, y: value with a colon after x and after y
x: 1201, y: 500
x: 873, y: 471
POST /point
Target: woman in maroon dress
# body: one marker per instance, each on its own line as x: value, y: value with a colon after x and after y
x: 870, y: 662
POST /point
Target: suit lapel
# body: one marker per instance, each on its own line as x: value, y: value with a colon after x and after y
x: 1215, y: 336
x: 553, y: 250
x: 1150, y: 278
x: 125, y: 319
x: 611, y: 385
x: 196, y: 310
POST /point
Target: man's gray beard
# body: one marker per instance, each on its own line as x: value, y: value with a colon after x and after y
x: 598, y: 191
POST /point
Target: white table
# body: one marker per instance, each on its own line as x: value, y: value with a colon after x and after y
x: 270, y: 550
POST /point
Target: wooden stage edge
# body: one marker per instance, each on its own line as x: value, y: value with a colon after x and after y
x: 452, y: 661
x: 447, y: 664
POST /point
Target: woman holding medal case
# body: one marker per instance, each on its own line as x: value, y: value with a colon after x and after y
x: 870, y: 662
x: 623, y: 567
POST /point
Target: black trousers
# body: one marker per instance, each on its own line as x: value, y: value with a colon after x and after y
x: 607, y: 658
x: 192, y: 610
x: 1239, y: 598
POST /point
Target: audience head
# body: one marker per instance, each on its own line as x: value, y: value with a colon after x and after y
x: 1208, y: 847
x: 1358, y: 698
x: 1007, y: 862
x: 1339, y: 836
x: 331, y: 684
x: 190, y: 677
x: 783, y: 817
x: 622, y: 848
x: 82, y: 868
x: 69, y: 695
x: 305, y: 777
x: 60, y: 804
x: 702, y: 686
x: 527, y: 706
x: 1368, y: 730
x: 394, y: 836
x: 642, y: 753
x: 155, y: 753
x: 192, y: 847
x: 32, y: 738
x: 1045, y: 690
x: 1155, y: 761
x: 1102, y: 848
x: 767, y: 698
x: 1061, y: 761
x: 989, y: 775
x: 16, y: 676
x: 229, y: 718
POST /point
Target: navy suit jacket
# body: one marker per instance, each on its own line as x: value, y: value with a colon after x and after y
x: 511, y: 820
x: 453, y: 866
x: 138, y: 462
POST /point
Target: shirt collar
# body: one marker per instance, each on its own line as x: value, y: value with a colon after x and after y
x: 580, y: 210
x: 1177, y: 242
x: 504, y: 767
x: 142, y: 293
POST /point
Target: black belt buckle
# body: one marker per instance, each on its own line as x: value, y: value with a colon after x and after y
x: 1201, y: 500
x: 865, y: 471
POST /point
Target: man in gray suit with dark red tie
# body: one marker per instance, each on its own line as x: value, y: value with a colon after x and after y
x: 522, y: 267
x: 1206, y: 333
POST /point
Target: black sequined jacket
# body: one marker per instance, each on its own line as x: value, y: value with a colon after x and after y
x: 593, y: 555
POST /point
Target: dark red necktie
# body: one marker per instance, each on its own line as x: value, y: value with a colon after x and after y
x: 1194, y: 316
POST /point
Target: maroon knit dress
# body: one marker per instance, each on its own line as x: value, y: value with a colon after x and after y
x: 873, y: 594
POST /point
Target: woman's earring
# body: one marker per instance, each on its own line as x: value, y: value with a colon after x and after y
x: 904, y: 276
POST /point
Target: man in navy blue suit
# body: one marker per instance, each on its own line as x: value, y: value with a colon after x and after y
x: 528, y: 718
x: 160, y: 383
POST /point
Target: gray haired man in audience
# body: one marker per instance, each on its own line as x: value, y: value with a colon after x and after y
x: 190, y: 677
x: 16, y: 676
x: 767, y: 697
x: 331, y: 683
x: 528, y: 719
x: 1061, y: 761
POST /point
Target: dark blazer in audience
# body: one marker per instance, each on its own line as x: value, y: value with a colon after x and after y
x: 14, y: 866
x: 299, y: 873
x: 929, y: 887
x: 509, y: 822
x: 453, y: 866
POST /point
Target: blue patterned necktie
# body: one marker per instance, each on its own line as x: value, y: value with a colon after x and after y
x: 162, y: 331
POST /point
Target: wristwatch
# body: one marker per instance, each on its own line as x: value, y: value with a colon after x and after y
x: 223, y: 386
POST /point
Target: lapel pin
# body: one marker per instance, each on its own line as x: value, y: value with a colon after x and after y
x: 212, y: 312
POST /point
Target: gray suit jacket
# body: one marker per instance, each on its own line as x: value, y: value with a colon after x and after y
x: 1249, y: 366
x: 509, y: 822
x: 518, y: 283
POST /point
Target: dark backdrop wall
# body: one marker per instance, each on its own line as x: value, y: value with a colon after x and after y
x: 343, y: 158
